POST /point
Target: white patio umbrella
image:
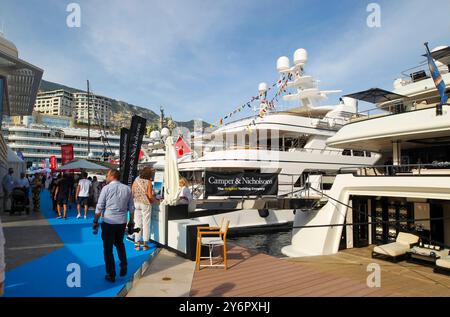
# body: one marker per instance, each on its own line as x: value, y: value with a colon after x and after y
x: 171, y: 177
x: 82, y: 165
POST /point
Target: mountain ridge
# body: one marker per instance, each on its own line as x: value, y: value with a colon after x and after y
x: 122, y: 111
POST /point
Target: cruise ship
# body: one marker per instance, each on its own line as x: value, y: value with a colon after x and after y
x: 409, y: 191
x: 37, y: 143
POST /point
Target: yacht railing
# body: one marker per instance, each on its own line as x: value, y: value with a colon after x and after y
x: 285, y: 149
x: 437, y: 168
x: 399, y: 107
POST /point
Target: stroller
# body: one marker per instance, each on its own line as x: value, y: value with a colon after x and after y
x: 19, y: 201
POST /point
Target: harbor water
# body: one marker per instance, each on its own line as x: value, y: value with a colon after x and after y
x: 269, y: 243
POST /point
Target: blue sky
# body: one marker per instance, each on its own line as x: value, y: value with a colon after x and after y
x: 201, y: 59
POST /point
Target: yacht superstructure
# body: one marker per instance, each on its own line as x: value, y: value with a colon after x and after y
x: 412, y: 181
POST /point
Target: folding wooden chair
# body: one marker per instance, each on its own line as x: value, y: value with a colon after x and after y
x: 212, y: 237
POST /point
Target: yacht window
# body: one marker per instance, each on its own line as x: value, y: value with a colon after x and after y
x: 398, y: 108
x: 368, y: 154
x: 347, y: 152
x: 358, y: 153
x: 418, y: 76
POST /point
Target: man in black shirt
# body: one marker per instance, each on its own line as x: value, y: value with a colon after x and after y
x: 62, y: 195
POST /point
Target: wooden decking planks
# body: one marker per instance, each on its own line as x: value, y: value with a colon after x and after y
x: 344, y: 274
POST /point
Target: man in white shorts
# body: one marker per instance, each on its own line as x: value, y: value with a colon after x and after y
x: 82, y: 194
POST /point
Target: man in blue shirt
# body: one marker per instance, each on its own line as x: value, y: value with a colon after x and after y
x: 113, y: 205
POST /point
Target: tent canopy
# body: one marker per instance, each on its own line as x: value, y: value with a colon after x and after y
x: 82, y: 165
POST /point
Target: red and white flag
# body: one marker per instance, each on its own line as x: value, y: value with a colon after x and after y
x: 181, y: 147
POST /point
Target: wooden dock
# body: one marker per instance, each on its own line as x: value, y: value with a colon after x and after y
x: 343, y: 274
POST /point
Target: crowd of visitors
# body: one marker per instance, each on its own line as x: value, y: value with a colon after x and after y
x: 118, y: 205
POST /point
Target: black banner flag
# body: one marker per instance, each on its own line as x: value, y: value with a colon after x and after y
x: 135, y: 137
x: 124, y: 133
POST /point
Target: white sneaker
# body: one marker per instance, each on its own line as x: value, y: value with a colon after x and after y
x: 85, y: 217
x: 59, y: 217
x: 78, y: 216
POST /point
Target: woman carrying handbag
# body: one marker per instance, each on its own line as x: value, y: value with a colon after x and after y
x: 143, y: 197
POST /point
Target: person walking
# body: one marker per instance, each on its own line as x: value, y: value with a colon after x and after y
x: 36, y: 186
x: 113, y: 205
x: 143, y: 196
x: 95, y: 190
x: 8, y: 186
x: 84, y: 190
x: 53, y: 186
x: 62, y: 194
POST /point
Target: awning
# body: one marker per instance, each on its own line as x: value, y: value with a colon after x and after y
x: 376, y: 95
x: 82, y: 165
x: 440, y: 54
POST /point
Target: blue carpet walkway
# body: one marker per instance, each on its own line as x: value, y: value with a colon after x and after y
x: 47, y: 276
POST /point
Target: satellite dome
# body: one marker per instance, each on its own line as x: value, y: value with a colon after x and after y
x: 117, y: 153
x: 283, y: 64
x: 155, y: 135
x: 91, y: 155
x: 398, y: 83
x: 165, y: 132
x: 262, y: 87
x: 300, y: 57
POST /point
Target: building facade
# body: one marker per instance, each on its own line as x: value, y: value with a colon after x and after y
x: 99, y: 112
x: 56, y: 102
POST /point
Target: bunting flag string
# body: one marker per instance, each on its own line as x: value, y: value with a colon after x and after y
x: 265, y: 105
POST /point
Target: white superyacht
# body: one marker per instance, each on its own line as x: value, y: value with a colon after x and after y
x: 290, y: 142
x: 408, y: 192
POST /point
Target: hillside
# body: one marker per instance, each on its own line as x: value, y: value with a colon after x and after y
x: 122, y: 111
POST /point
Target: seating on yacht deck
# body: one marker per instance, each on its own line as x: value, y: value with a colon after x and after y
x: 443, y: 265
x: 397, y: 250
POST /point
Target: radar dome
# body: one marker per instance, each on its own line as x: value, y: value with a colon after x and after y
x: 155, y: 135
x: 116, y: 153
x: 300, y: 57
x: 283, y: 64
x: 91, y: 155
x: 262, y: 87
x: 165, y: 132
x: 398, y: 83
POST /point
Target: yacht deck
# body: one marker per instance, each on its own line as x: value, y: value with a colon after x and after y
x: 343, y: 274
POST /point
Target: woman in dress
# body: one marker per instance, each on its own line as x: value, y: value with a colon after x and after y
x: 143, y: 198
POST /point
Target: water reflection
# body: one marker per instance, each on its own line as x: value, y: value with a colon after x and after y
x: 268, y: 243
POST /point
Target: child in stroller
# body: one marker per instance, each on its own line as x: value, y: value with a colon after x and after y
x: 19, y: 200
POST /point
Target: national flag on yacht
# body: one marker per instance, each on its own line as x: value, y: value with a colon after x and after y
x: 437, y: 78
x: 181, y: 147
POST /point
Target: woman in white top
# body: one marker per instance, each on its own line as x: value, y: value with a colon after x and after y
x: 143, y: 199
x: 184, y: 196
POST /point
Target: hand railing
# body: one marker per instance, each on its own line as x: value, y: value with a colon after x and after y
x: 398, y: 170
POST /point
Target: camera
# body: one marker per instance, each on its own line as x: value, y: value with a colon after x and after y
x: 132, y: 229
